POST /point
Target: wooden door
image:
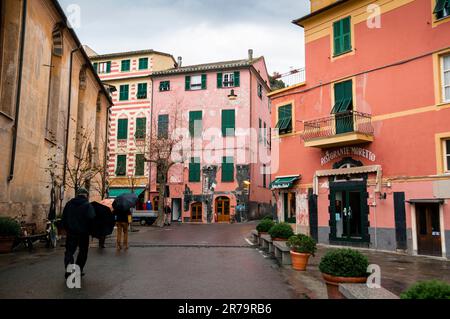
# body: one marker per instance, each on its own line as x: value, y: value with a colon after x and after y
x: 428, y: 230
x: 197, y: 213
x: 223, y: 210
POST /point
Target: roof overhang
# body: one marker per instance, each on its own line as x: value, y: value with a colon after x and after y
x: 317, y: 12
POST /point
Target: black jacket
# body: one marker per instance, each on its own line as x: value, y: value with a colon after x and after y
x: 77, y: 216
x: 122, y: 215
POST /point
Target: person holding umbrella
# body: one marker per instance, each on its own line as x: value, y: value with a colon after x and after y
x: 122, y: 210
x: 103, y: 224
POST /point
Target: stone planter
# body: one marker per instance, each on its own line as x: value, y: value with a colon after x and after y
x: 333, y: 283
x: 299, y: 260
x: 6, y: 244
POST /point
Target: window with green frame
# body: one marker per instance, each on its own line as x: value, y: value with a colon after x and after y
x: 194, y: 170
x: 121, y: 166
x: 164, y: 86
x: 260, y: 90
x: 343, y: 97
x: 143, y: 64
x: 163, y: 126
x: 122, y: 129
x: 125, y: 67
x: 228, y: 169
x: 284, y: 124
x: 228, y: 122
x: 196, y: 82
x: 142, y: 91
x: 232, y: 79
x: 140, y: 165
x: 141, y: 128
x: 342, y: 36
x: 196, y: 123
x: 124, y: 92
x: 442, y: 9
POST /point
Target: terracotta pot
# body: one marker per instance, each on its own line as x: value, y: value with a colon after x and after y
x: 279, y: 239
x: 6, y: 244
x: 299, y: 260
x: 333, y: 284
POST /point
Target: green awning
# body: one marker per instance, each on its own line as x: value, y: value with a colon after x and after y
x: 284, y: 182
x: 116, y: 192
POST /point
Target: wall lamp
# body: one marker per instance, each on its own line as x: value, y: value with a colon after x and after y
x: 232, y: 96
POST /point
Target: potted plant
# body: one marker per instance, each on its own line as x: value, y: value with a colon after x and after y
x: 264, y: 226
x: 433, y: 289
x: 281, y: 232
x: 302, y: 247
x: 343, y: 266
x: 9, y: 231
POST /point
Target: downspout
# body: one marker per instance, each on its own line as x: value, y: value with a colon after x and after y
x: 19, y: 90
x: 150, y: 141
x: 106, y: 151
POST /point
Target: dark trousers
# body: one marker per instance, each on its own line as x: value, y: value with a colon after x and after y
x: 74, y: 242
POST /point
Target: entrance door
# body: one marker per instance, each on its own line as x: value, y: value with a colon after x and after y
x: 197, y: 213
x: 223, y: 209
x: 428, y: 230
x: 176, y: 209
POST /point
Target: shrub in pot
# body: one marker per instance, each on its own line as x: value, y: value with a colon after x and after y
x: 264, y: 226
x: 302, y: 247
x: 343, y: 266
x: 281, y: 232
x: 9, y: 231
x: 433, y: 289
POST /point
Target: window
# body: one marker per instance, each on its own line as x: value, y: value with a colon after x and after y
x: 264, y: 176
x: 284, y: 124
x: 121, y: 166
x: 229, y: 79
x: 194, y: 170
x: 164, y: 86
x: 442, y: 9
x: 122, y: 129
x: 343, y: 97
x: 446, y: 78
x: 228, y: 122
x: 342, y: 36
x: 163, y: 126
x: 140, y: 165
x: 104, y: 67
x: 125, y: 66
x: 195, y: 123
x: 124, y: 92
x: 141, y: 128
x: 143, y: 64
x: 58, y: 42
x: 228, y: 169
x: 142, y: 91
x: 260, y: 90
x: 265, y: 133
x: 447, y: 156
x: 260, y: 132
x: 196, y: 82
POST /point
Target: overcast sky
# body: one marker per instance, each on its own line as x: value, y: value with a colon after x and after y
x: 200, y: 31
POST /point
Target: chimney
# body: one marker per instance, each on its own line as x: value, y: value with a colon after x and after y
x: 250, y: 54
x: 180, y: 61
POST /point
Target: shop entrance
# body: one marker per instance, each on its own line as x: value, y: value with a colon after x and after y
x: 223, y: 209
x: 197, y: 213
x: 428, y: 230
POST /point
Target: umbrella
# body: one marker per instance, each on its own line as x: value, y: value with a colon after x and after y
x: 125, y: 202
x: 103, y: 224
x: 108, y: 203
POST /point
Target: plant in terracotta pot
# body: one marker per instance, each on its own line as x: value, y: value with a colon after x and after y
x: 343, y: 266
x: 264, y: 226
x: 302, y: 247
x: 281, y: 232
x: 9, y: 231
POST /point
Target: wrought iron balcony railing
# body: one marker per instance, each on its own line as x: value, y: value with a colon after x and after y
x: 336, y: 124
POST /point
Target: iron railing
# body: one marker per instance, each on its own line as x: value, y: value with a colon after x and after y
x: 336, y: 124
x: 292, y: 77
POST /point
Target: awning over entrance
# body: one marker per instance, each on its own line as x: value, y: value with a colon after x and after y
x: 284, y: 182
x: 116, y: 192
x: 426, y: 201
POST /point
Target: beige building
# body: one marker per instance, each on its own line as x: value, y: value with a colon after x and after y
x: 128, y: 73
x: 53, y: 111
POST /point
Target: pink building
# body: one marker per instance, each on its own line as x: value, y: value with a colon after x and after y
x: 224, y: 115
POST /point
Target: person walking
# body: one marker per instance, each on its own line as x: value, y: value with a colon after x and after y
x: 77, y: 218
x: 168, y: 216
x: 123, y: 221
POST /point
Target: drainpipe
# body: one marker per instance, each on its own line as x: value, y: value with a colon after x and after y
x: 19, y: 90
x: 150, y: 142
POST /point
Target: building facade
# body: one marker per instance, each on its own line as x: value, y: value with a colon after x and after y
x: 128, y: 73
x: 223, y: 113
x: 51, y: 102
x: 370, y: 127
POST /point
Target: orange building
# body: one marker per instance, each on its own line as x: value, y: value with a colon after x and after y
x: 370, y: 127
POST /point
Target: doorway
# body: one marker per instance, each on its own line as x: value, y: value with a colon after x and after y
x: 223, y: 209
x: 176, y: 209
x: 197, y: 213
x: 429, y: 240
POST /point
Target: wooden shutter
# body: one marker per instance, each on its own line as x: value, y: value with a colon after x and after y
x: 228, y: 122
x: 194, y: 170
x: 337, y: 37
x: 108, y: 67
x: 139, y: 165
x: 194, y: 117
x: 219, y: 80
x: 142, y: 91
x: 237, y: 79
x: 188, y: 83
x: 122, y: 129
x: 141, y: 128
x: 124, y: 92
x: 95, y: 67
x: 346, y: 35
x: 228, y: 169
x: 204, y: 79
x: 121, y: 167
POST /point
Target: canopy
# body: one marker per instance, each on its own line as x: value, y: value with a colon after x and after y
x: 284, y: 182
x: 116, y: 192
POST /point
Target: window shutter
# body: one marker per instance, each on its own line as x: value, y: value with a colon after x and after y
x: 337, y: 37
x: 203, y: 81
x: 141, y: 128
x: 139, y: 165
x: 188, y: 83
x: 237, y: 79
x: 121, y: 167
x: 227, y: 169
x: 219, y: 80
x: 228, y: 122
x: 346, y: 35
x: 108, y: 67
x: 96, y: 66
x: 163, y: 126
x: 195, y: 117
x: 194, y: 170
x: 122, y: 130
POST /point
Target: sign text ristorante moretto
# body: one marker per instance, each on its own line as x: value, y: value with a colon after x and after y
x: 347, y: 151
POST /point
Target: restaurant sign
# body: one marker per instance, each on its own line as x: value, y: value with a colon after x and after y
x: 347, y: 151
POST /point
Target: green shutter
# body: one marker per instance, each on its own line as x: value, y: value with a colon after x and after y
x: 122, y: 129
x: 284, y: 124
x: 343, y: 96
x: 195, y: 117
x: 124, y: 92
x: 342, y: 36
x: 108, y: 67
x: 337, y: 37
x: 125, y: 66
x: 143, y: 64
x: 188, y: 83
x: 121, y: 167
x: 141, y: 128
x: 440, y: 4
x: 227, y: 169
x: 204, y: 79
x: 164, y: 86
x: 237, y: 79
x: 346, y: 35
x: 163, y: 126
x: 219, y: 80
x: 228, y: 122
x: 194, y: 170
x: 96, y: 66
x: 140, y: 165
x: 142, y: 91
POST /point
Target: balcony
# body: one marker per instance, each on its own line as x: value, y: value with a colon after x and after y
x: 341, y: 129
